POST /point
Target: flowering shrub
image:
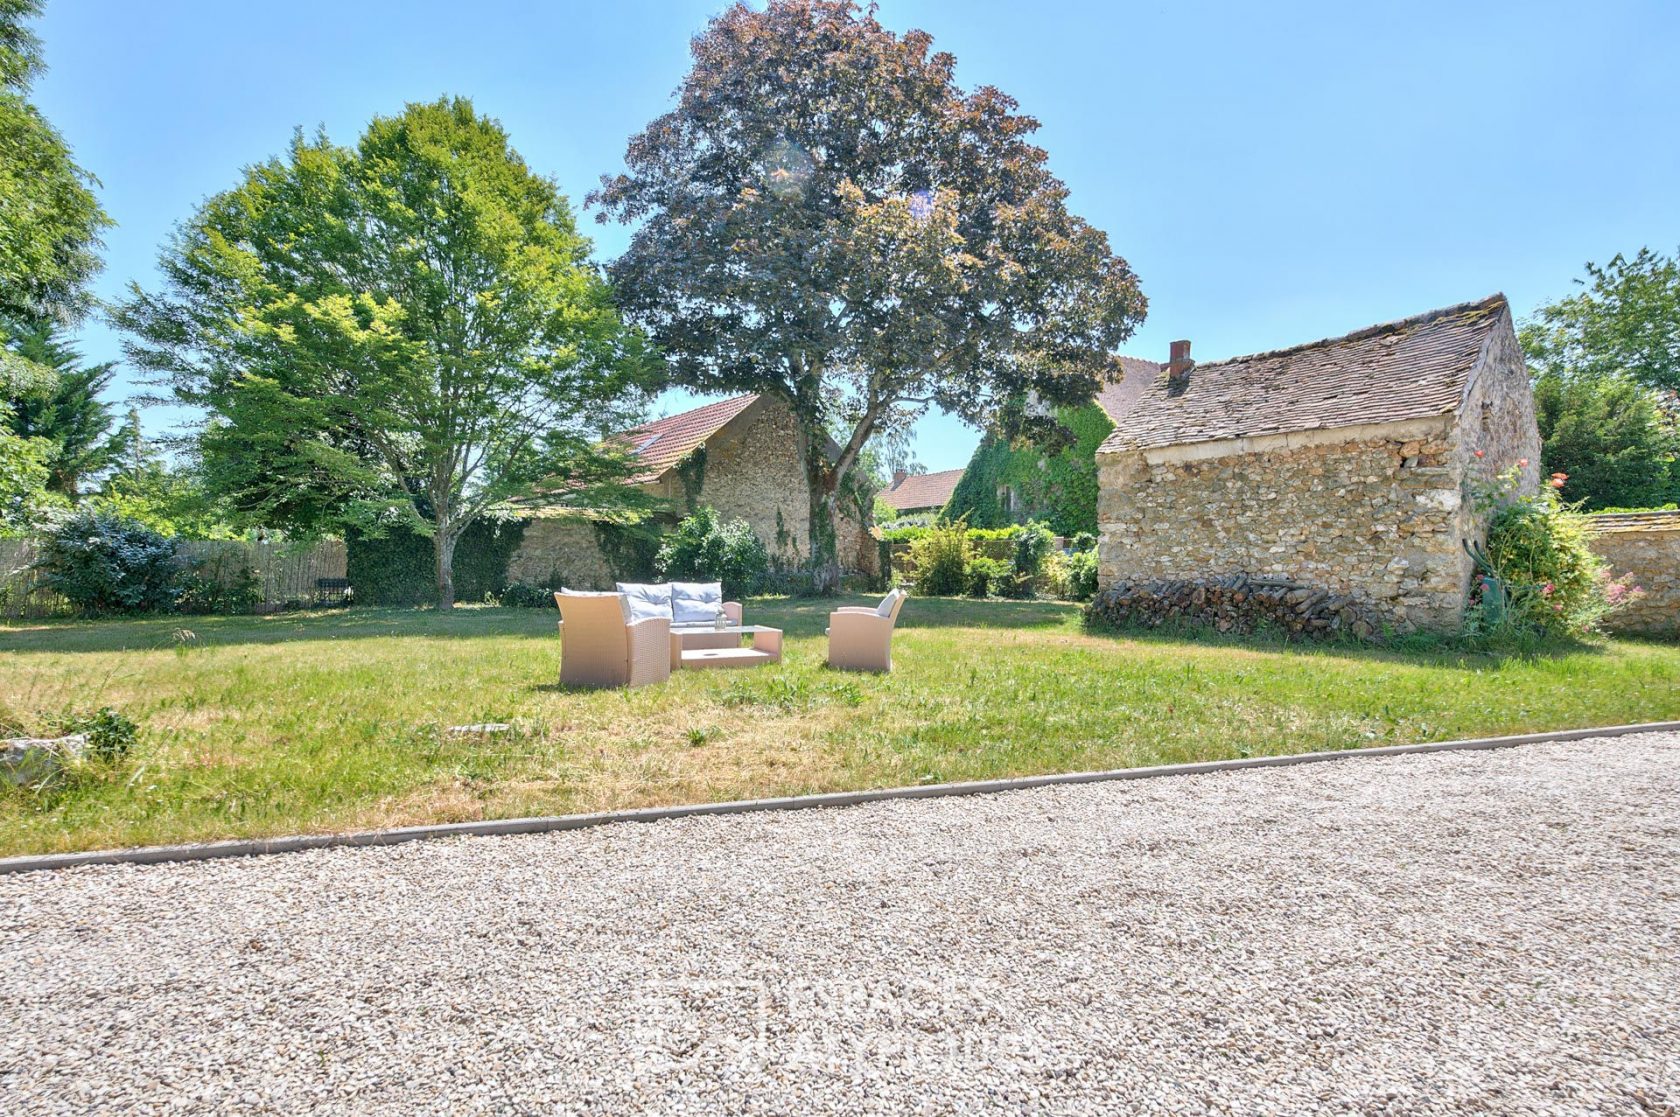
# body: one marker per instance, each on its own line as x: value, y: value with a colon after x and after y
x: 1537, y: 571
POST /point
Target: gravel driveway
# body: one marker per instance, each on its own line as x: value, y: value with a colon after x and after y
x: 1471, y: 932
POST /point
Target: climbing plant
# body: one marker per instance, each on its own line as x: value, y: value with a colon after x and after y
x: 1060, y: 489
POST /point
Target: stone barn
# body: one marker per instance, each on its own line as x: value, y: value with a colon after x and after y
x: 1343, y: 464
x: 740, y: 456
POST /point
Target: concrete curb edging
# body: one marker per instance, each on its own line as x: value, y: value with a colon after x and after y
x: 150, y: 855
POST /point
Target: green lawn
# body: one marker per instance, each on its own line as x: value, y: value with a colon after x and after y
x: 329, y: 721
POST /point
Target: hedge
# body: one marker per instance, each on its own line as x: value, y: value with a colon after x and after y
x: 399, y: 567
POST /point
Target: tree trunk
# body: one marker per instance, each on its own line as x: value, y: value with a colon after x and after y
x: 820, y: 480
x: 443, y: 547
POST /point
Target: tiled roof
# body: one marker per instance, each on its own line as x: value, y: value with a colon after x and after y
x: 1117, y: 398
x: 662, y: 443
x: 1410, y: 369
x: 923, y: 490
x: 1656, y: 520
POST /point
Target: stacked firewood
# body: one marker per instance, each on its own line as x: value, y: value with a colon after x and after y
x: 1239, y: 603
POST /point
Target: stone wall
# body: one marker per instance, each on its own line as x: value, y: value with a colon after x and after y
x: 560, y: 551
x: 1378, y: 512
x: 1376, y: 517
x: 1646, y: 545
x: 750, y: 470
x: 754, y: 471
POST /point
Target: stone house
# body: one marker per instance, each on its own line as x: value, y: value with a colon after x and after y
x: 913, y: 494
x: 740, y: 456
x: 1344, y: 464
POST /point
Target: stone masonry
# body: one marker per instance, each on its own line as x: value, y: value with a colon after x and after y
x: 748, y: 469
x: 1379, y: 511
x: 1646, y: 545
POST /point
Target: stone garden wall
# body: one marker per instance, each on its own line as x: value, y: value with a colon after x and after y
x: 560, y: 551
x: 1646, y: 545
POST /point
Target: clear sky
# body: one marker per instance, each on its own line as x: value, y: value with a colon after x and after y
x: 1275, y: 172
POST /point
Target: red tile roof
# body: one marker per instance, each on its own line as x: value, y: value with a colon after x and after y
x: 923, y: 490
x: 1410, y: 369
x: 662, y: 443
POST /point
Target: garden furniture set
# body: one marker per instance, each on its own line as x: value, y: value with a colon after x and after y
x: 638, y: 634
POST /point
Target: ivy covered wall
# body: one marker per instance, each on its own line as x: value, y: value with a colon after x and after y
x: 1060, y: 490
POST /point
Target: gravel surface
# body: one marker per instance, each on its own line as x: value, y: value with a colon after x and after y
x: 1467, y: 932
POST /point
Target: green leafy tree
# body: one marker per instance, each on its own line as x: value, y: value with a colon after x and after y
x: 25, y: 499
x: 1606, y: 364
x: 404, y: 332
x: 50, y: 219
x: 1625, y: 322
x: 826, y: 217
x: 1612, y: 438
x: 64, y: 408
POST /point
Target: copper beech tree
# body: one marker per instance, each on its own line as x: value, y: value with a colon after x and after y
x: 826, y: 217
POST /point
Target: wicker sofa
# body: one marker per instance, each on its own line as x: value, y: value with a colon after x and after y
x: 692, y: 609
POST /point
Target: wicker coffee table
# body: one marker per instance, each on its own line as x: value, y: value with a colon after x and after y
x: 765, y: 647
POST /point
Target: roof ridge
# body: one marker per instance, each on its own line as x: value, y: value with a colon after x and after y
x: 1485, y: 303
x: 691, y: 411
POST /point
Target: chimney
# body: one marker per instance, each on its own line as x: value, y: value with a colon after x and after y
x: 898, y: 477
x: 1180, y: 364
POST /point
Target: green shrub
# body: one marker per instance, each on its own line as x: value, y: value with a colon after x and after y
x: 989, y: 576
x: 524, y: 595
x: 702, y: 549
x: 223, y: 585
x: 1032, y: 543
x: 109, y: 564
x: 1537, y: 572
x: 939, y: 561
x: 1081, y: 569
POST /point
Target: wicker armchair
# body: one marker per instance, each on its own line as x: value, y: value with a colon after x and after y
x: 860, y: 639
x: 601, y: 647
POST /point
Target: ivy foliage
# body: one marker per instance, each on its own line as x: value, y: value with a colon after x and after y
x: 1060, y: 488
x: 398, y: 567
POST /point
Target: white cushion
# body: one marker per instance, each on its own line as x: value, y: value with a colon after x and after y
x: 623, y: 602
x: 886, y: 607
x: 694, y: 602
x: 647, y: 601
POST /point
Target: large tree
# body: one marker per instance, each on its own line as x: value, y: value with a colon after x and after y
x: 1606, y: 365
x: 1609, y: 434
x: 1625, y: 320
x: 50, y: 220
x: 407, y: 331
x: 825, y: 216
x: 25, y: 498
x: 64, y: 408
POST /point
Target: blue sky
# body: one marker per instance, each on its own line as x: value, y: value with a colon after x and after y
x: 1275, y: 173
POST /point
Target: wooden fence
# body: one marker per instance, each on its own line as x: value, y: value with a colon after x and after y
x: 285, y: 573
